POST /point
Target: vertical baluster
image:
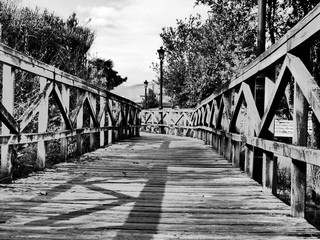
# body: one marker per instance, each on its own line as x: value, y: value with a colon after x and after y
x: 79, y: 125
x: 109, y: 121
x: 298, y: 170
x: 42, y: 126
x: 65, y: 95
x: 93, y: 101
x: 249, y: 154
x: 102, y: 120
x: 269, y: 162
x: 8, y: 78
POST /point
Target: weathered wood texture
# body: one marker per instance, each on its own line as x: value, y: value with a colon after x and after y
x: 105, y: 111
x: 153, y: 187
x: 243, y: 112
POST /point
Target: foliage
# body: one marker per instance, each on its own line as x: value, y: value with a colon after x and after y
x: 152, y: 101
x: 101, y: 74
x: 64, y: 44
x: 202, y: 55
x: 283, y: 15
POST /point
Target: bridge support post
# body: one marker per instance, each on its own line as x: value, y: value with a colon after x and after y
x: 65, y: 95
x: 236, y: 153
x: 228, y: 149
x: 299, y: 169
x: 269, y: 161
x: 92, y: 145
x: 42, y: 127
x: 102, y: 120
x: 8, y: 82
x: 79, y: 125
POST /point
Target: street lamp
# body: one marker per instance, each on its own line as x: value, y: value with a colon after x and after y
x: 145, y: 93
x: 161, y: 57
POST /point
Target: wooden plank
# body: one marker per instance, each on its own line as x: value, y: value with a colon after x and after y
x: 149, y: 188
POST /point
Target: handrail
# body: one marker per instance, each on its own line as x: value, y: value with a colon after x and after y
x: 110, y: 117
x: 251, y: 100
x: 239, y: 119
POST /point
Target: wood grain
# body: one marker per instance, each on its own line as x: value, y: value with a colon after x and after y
x: 153, y: 187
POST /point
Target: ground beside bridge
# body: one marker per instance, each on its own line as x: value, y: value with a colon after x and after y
x: 152, y: 187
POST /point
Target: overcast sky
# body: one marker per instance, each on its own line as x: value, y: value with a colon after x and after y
x: 127, y: 31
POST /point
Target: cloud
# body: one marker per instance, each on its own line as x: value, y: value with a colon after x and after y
x: 99, y: 16
x: 128, y: 31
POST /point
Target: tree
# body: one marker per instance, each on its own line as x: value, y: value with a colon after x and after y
x: 152, y: 100
x: 102, y: 74
x: 202, y: 55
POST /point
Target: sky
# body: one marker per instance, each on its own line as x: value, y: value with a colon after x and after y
x: 127, y: 31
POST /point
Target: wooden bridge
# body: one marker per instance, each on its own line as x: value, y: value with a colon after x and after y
x: 151, y: 187
x: 160, y: 186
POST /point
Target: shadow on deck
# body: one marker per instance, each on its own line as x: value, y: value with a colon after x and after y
x: 153, y: 187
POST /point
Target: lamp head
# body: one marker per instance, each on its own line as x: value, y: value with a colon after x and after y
x: 161, y: 53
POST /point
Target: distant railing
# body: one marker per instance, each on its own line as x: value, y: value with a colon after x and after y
x: 84, y: 111
x: 167, y: 121
x: 241, y: 115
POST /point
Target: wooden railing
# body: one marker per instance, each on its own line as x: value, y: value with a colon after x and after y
x: 242, y: 113
x: 167, y: 121
x: 84, y: 111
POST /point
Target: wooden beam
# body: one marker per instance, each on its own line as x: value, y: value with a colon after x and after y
x: 63, y: 109
x: 277, y: 94
x: 32, y: 110
x: 306, y: 82
x: 8, y: 120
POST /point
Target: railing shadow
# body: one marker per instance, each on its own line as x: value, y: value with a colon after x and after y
x: 151, y: 196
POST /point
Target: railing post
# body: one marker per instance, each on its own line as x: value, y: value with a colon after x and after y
x: 228, y: 149
x: 102, y: 120
x: 8, y: 79
x: 137, y: 121
x: 93, y: 101
x: 248, y: 162
x: 79, y: 125
x: 298, y: 170
x: 236, y: 153
x: 269, y: 162
x: 259, y: 97
x: 42, y: 127
x: 65, y: 95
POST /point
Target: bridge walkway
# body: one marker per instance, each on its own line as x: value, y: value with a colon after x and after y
x: 152, y: 187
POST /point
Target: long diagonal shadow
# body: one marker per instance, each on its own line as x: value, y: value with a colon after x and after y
x: 122, y: 199
x: 149, y: 201
x: 151, y: 198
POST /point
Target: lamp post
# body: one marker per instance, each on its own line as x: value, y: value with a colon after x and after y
x: 161, y: 57
x: 145, y: 93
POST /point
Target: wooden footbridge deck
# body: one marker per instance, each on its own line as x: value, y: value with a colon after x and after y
x: 152, y: 187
